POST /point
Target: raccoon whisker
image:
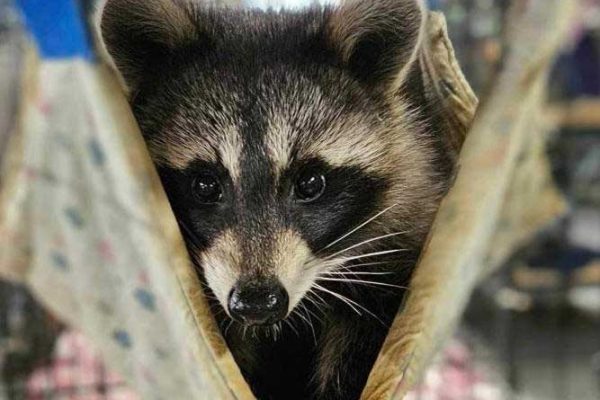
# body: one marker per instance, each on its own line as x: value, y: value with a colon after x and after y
x: 362, y: 281
x: 227, y: 328
x: 312, y: 328
x: 318, y: 305
x: 363, y: 243
x: 342, y: 298
x: 349, y: 267
x: 314, y: 313
x: 351, y: 303
x: 308, y: 323
x: 359, y: 227
x: 219, y: 311
x: 309, y: 313
x: 297, y: 312
x: 222, y: 323
x: 341, y: 269
x: 342, y: 273
x: 342, y: 260
x: 350, y: 270
x: 289, y: 323
x: 210, y: 296
x: 207, y: 292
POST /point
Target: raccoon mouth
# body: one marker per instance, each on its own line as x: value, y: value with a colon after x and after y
x: 261, y: 324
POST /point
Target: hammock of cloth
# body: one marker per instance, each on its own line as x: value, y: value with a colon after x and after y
x: 86, y: 226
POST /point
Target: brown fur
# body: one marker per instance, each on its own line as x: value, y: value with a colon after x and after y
x: 255, y: 98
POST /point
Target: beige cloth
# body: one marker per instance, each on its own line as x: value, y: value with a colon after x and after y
x: 85, y: 224
x: 502, y: 193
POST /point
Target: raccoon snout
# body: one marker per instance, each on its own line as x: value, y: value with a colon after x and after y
x: 258, y: 303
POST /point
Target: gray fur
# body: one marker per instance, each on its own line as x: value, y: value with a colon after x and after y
x: 256, y: 97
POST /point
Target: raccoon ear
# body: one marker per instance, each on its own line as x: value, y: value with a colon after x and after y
x: 378, y: 40
x: 139, y: 34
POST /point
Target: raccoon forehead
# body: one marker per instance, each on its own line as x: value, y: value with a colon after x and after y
x: 349, y: 139
x: 342, y: 138
x: 288, y: 117
x: 345, y: 143
x: 191, y: 117
x: 335, y: 119
x: 178, y: 150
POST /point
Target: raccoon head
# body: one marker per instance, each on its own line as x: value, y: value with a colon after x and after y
x: 286, y: 141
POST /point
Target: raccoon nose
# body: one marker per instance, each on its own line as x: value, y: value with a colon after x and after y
x: 255, y: 303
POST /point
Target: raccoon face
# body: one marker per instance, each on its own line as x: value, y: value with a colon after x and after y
x: 285, y: 141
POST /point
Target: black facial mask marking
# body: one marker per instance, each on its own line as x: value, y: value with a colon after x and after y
x: 350, y: 197
x: 200, y: 223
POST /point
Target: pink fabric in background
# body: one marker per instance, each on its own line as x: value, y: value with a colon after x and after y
x: 456, y: 376
x: 77, y: 373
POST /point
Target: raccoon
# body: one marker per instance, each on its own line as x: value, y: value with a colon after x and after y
x: 304, y: 165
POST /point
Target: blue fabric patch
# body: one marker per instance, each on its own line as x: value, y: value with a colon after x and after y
x: 122, y: 338
x: 146, y: 299
x: 60, y: 261
x: 74, y: 217
x: 96, y: 151
x: 57, y: 27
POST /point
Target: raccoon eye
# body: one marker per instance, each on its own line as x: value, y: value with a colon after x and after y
x: 206, y: 188
x: 310, y: 185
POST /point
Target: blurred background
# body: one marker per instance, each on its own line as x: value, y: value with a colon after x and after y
x: 531, y: 331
